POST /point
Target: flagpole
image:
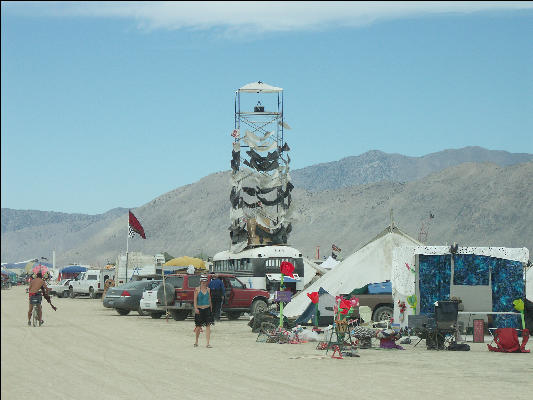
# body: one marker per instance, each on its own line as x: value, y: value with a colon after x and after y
x: 127, y: 246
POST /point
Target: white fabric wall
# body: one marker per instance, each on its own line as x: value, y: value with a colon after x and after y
x: 529, y: 284
x: 403, y: 279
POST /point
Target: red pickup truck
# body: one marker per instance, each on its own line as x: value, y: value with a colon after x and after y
x: 180, y: 296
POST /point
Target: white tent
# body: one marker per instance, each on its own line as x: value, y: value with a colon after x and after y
x: 372, y: 263
x: 330, y: 263
x: 311, y: 270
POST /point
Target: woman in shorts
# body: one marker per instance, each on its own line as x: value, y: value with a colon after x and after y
x: 203, y: 310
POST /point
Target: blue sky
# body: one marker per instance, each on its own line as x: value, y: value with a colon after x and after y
x: 112, y: 104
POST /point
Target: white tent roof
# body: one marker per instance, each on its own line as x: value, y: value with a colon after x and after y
x: 330, y: 263
x: 311, y: 270
x: 371, y: 263
x: 256, y: 87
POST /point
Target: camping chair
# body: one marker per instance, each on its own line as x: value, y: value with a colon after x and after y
x: 445, y: 332
x: 506, y: 340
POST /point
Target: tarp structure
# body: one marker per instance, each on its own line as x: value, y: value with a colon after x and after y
x: 71, y: 271
x: 371, y: 263
x: 504, y: 263
x: 325, y: 310
x: 330, y: 263
x: 185, y: 262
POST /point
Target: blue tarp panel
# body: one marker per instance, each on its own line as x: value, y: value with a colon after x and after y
x: 378, y: 288
x: 434, y: 280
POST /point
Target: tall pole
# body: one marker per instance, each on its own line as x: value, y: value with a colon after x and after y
x: 127, y: 247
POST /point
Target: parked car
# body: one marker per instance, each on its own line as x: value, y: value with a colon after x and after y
x: 126, y: 297
x: 149, y: 302
x: 180, y: 297
x: 60, y: 289
x: 90, y: 283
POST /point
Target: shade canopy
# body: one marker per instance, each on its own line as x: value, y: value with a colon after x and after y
x: 72, y: 269
x: 259, y: 87
x: 185, y: 262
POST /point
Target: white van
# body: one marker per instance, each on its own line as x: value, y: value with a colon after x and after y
x: 90, y: 282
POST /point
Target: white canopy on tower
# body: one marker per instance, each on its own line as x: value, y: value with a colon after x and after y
x: 257, y: 87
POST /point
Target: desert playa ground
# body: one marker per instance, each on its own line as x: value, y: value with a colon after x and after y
x: 85, y: 351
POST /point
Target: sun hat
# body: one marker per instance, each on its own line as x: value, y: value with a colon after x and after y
x: 203, y: 278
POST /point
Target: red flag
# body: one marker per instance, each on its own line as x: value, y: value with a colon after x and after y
x: 136, y: 227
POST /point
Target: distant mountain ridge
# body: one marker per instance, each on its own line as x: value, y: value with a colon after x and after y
x: 480, y: 204
x: 377, y: 166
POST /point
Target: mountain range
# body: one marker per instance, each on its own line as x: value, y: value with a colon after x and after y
x: 478, y: 197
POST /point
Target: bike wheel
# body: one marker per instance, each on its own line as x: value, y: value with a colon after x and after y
x: 35, y: 316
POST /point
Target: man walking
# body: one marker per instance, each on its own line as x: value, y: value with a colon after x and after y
x: 217, y: 295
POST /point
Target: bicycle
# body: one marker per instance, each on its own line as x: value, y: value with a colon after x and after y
x: 35, y: 313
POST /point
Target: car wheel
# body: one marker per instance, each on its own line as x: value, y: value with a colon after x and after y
x: 259, y: 306
x: 383, y: 313
x: 92, y: 295
x: 232, y: 315
x: 59, y: 295
x: 179, y: 315
x: 141, y: 312
x: 121, y: 311
x: 156, y: 315
x: 66, y: 293
x: 71, y: 293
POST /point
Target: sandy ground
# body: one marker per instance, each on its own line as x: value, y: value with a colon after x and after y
x: 85, y: 351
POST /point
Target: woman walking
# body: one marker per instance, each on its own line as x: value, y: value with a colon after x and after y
x: 203, y: 310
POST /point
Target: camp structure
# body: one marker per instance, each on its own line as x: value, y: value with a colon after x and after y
x: 326, y: 303
x: 485, y: 279
x: 371, y: 263
x: 261, y: 203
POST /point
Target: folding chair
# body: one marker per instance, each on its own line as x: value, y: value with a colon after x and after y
x: 446, y: 323
x: 343, y: 337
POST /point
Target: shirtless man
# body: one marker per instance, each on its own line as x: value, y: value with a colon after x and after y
x: 36, y: 297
